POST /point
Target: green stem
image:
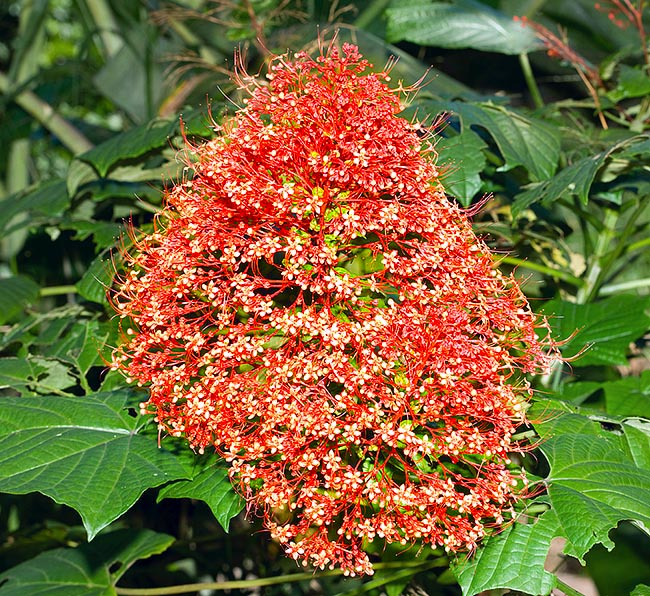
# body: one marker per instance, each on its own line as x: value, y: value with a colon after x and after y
x: 563, y: 275
x: 44, y: 113
x: 371, y: 13
x: 639, y: 244
x: 58, y: 290
x: 595, y: 268
x: 609, y: 257
x: 266, y: 581
x: 106, y: 26
x: 566, y: 588
x: 634, y: 284
x: 531, y: 83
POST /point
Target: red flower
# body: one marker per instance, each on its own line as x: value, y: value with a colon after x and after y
x: 313, y: 307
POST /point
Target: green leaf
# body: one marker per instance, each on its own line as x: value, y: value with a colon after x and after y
x: 633, y: 81
x: 599, y: 476
x: 577, y: 393
x: 641, y: 590
x: 127, y: 145
x: 81, y: 346
x: 89, y: 570
x: 47, y: 200
x: 461, y: 24
x: 97, y: 279
x: 84, y: 452
x: 522, y: 141
x: 461, y: 161
x: 593, y: 486
x: 15, y: 294
x: 574, y: 180
x: 18, y: 374
x: 629, y: 396
x: 602, y: 330
x: 211, y: 485
x: 513, y: 559
x: 599, y: 473
x: 104, y: 233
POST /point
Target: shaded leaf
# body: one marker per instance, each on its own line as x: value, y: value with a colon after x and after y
x: 211, y: 485
x: 133, y: 143
x: 97, y: 279
x: 629, y: 396
x: 18, y: 373
x: 461, y: 24
x: 48, y: 199
x: 84, y: 452
x: 81, y: 346
x: 602, y: 330
x: 15, y: 294
x: 88, y: 570
x: 522, y: 141
x: 574, y: 180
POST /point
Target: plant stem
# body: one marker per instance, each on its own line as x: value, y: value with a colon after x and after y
x: 371, y: 13
x: 567, y: 589
x: 595, y: 268
x: 609, y: 257
x: 70, y: 136
x: 563, y: 275
x: 531, y: 83
x: 106, y: 26
x: 57, y: 291
x: 634, y: 284
x: 267, y: 581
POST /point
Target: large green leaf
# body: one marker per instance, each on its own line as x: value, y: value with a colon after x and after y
x: 600, y: 332
x: 461, y: 161
x: 512, y: 559
x: 211, y: 485
x: 522, y: 141
x: 599, y: 476
x: 84, y: 452
x: 460, y: 24
x: 15, y: 294
x: 89, y: 570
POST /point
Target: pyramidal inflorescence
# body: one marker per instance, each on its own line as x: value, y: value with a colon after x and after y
x: 311, y: 306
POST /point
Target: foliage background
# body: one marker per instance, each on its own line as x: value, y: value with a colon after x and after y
x: 91, y: 93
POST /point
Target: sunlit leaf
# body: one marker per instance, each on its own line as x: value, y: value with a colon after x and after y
x: 461, y: 161
x: 84, y: 452
x: 461, y: 24
x: 513, y: 559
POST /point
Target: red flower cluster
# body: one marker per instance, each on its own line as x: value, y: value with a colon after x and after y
x: 312, y: 306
